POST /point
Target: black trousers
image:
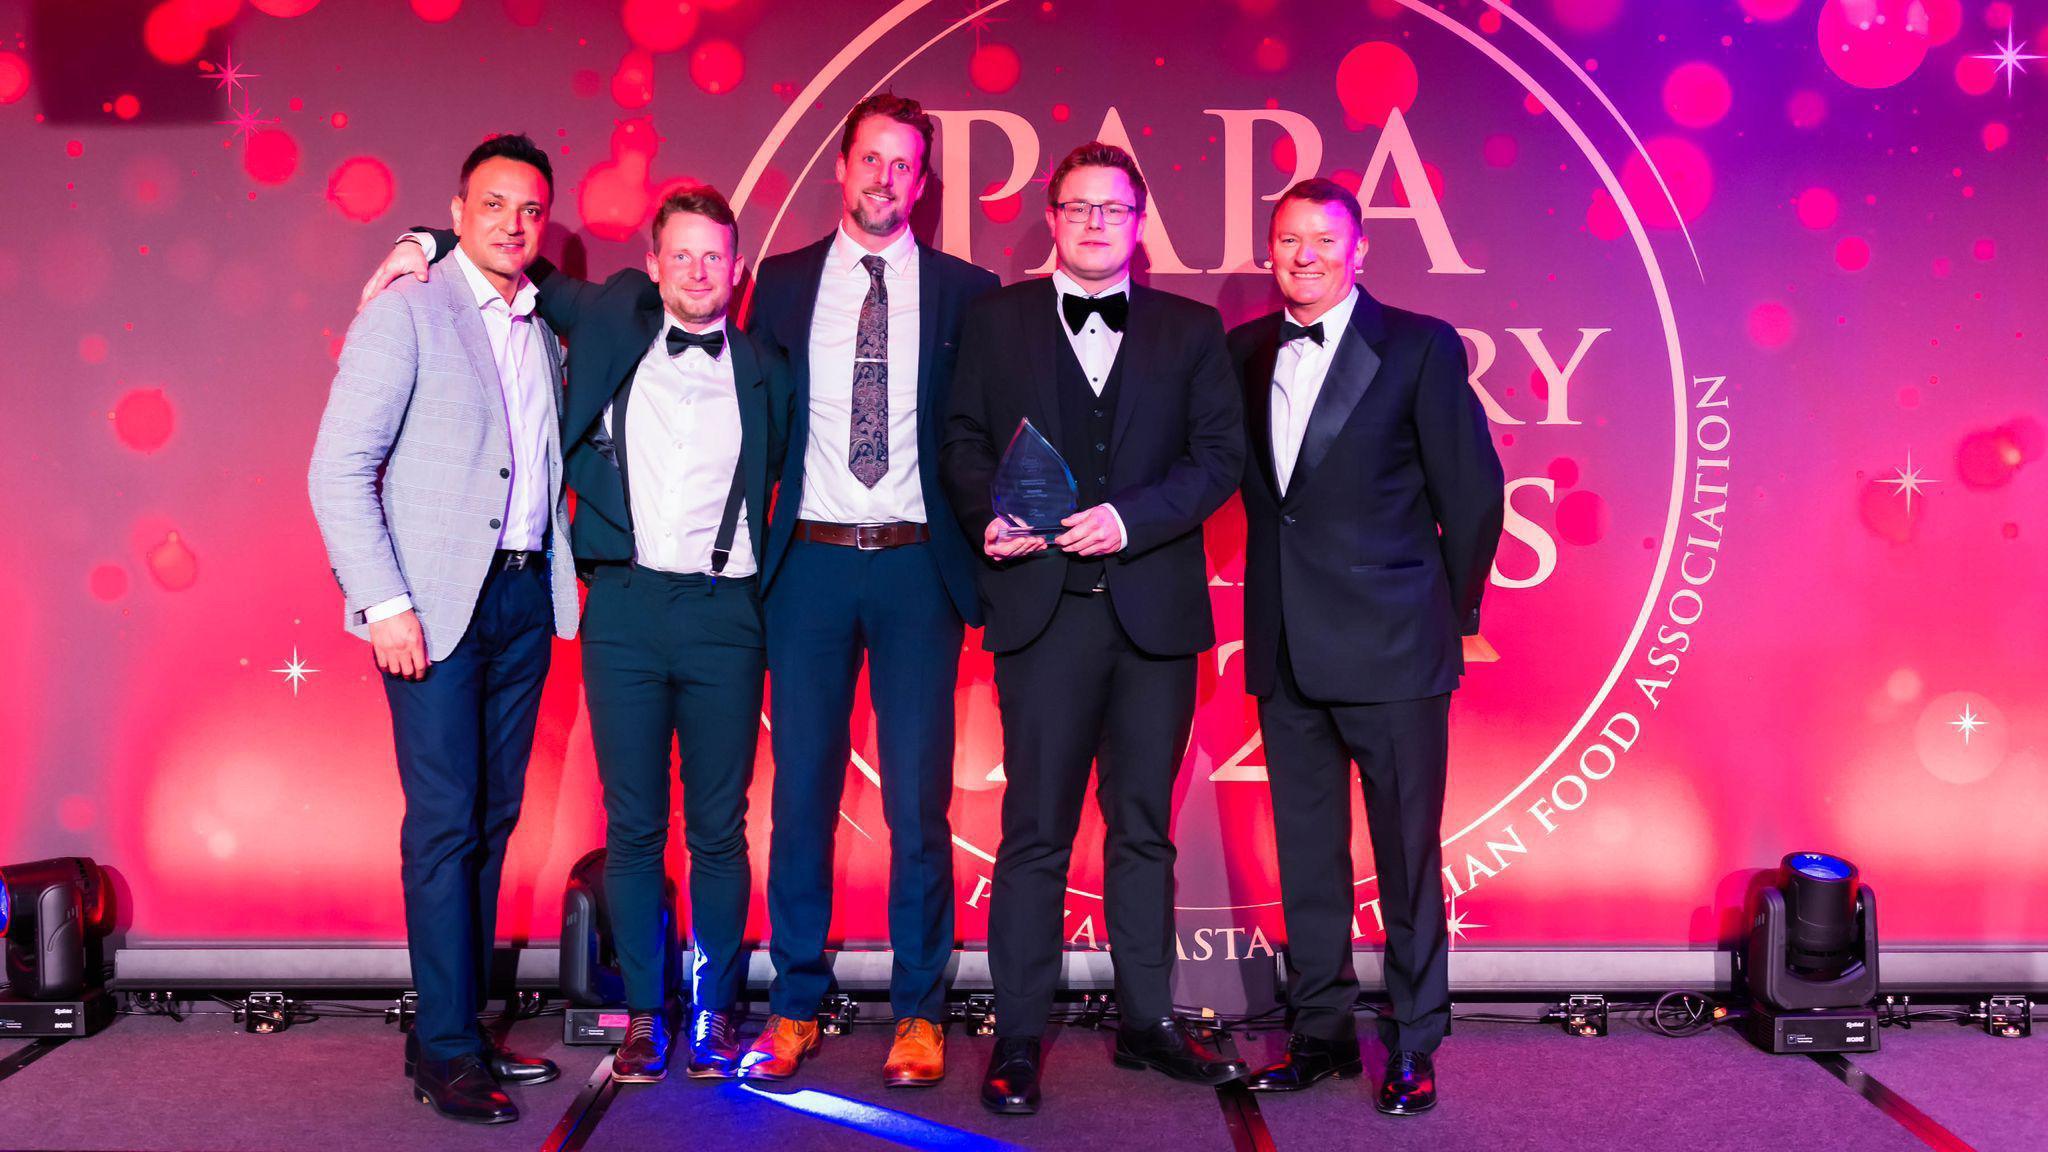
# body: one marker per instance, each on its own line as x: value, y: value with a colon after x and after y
x: 464, y: 733
x: 1400, y: 748
x: 831, y: 606
x: 671, y: 658
x: 1078, y: 695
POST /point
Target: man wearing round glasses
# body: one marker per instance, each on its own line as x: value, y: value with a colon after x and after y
x: 1095, y: 630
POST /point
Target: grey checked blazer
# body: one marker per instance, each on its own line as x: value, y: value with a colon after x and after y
x: 410, y: 472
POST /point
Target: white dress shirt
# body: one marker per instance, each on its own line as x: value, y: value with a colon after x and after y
x: 831, y: 491
x: 529, y: 400
x: 682, y: 444
x: 1298, y: 379
x: 1095, y: 346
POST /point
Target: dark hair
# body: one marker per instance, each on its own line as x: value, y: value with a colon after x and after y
x: 515, y: 146
x: 901, y: 109
x: 1096, y: 154
x: 697, y: 200
x: 1322, y: 190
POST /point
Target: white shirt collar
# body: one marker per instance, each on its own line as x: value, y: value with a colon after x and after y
x: 847, y: 253
x: 1335, y: 321
x: 1068, y: 286
x: 522, y: 298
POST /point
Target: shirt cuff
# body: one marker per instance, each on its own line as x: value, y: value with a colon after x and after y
x: 1123, y: 538
x: 397, y: 605
x: 424, y: 239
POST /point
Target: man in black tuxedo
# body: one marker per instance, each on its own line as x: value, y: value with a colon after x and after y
x: 675, y: 427
x: 865, y: 559
x: 1372, y: 513
x: 1096, y: 635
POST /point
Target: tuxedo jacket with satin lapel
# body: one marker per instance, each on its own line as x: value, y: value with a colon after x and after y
x: 1176, y: 454
x: 779, y: 318
x: 609, y: 328
x: 412, y: 465
x: 1375, y: 560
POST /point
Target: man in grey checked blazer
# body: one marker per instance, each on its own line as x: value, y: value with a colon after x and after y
x: 437, y: 482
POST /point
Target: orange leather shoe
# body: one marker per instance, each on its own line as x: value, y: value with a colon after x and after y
x: 918, y: 1057
x: 780, y: 1047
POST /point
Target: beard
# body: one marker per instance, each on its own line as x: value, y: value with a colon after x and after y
x: 690, y: 311
x: 877, y: 221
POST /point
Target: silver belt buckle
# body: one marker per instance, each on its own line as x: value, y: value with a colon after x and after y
x: 515, y: 561
x: 863, y: 541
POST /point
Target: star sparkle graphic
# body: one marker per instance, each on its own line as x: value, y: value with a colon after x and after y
x: 1967, y: 723
x: 980, y: 21
x: 2011, y: 59
x: 1908, y: 482
x: 229, y: 76
x: 1458, y: 924
x: 295, y: 671
x: 248, y: 120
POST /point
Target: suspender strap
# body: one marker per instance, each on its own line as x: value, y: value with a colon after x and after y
x: 729, y: 524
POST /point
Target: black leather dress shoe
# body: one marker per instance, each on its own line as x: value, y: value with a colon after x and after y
x: 1010, y: 1087
x: 508, y: 1067
x: 714, y: 1045
x: 1409, y: 1086
x: 1308, y: 1060
x: 1165, y: 1044
x: 643, y: 1058
x: 463, y: 1089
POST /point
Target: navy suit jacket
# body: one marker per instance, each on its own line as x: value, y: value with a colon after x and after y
x: 779, y: 319
x: 609, y: 327
x: 1375, y: 560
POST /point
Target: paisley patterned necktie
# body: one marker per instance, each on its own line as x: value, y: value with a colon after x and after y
x: 867, y: 453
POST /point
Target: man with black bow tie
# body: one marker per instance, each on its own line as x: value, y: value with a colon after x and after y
x: 1096, y: 635
x: 1372, y: 511
x: 675, y: 426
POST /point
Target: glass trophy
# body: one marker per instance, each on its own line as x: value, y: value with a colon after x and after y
x: 1033, y: 486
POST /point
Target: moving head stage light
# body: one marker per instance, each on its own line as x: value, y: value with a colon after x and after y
x: 1811, y: 960
x: 590, y: 977
x: 54, y: 914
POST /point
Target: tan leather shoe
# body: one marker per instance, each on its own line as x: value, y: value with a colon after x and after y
x: 780, y: 1047
x: 918, y: 1057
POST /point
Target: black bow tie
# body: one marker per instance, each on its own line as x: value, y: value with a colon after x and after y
x: 712, y: 342
x: 1114, y: 310
x: 1290, y: 331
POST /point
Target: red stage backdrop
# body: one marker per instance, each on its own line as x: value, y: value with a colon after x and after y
x: 1746, y: 287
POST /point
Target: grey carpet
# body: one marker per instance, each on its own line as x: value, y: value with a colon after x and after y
x: 1988, y: 1091
x: 1509, y: 1086
x: 150, y: 1083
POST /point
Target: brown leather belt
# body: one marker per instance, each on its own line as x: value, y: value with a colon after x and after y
x: 866, y: 537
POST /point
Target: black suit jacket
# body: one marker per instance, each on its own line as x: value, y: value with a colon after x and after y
x: 1375, y: 560
x: 1176, y: 453
x: 779, y: 319
x: 609, y: 327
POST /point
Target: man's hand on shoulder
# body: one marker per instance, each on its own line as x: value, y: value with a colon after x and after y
x: 406, y: 258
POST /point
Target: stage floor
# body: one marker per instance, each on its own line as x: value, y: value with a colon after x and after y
x: 334, y: 1084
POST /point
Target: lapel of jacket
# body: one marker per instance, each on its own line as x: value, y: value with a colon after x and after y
x: 748, y: 389
x: 809, y: 279
x: 469, y: 328
x: 1133, y: 353
x: 1258, y: 403
x: 1043, y: 331
x: 648, y: 323
x: 1351, y: 371
x: 928, y: 299
x: 551, y: 348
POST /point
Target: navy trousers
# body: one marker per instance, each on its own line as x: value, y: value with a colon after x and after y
x: 675, y: 658
x: 464, y: 734
x: 829, y: 605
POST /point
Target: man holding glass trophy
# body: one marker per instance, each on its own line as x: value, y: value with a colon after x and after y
x: 1094, y: 426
